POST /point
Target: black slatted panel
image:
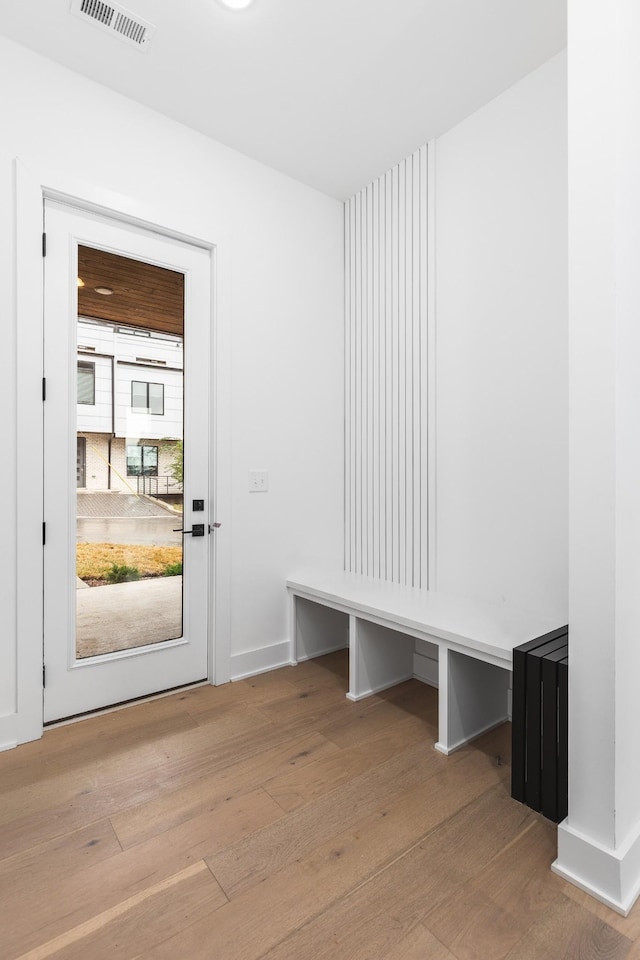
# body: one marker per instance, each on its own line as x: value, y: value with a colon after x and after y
x: 539, y: 724
x: 518, y: 710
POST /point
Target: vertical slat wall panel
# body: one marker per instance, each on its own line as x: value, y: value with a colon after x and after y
x: 347, y: 387
x: 375, y: 420
x: 388, y: 383
x: 386, y: 390
x: 402, y: 360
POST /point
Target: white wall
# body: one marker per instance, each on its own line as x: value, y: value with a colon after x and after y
x: 283, y: 247
x: 501, y: 330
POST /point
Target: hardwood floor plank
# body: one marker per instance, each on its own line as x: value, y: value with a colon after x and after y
x: 420, y: 944
x: 304, y: 784
x: 247, y: 863
x: 159, y: 814
x: 368, y: 722
x: 379, y: 913
x: 415, y: 698
x: 186, y: 757
x: 90, y: 891
x: 148, y: 913
x: 286, y: 900
x: 412, y: 793
x: 66, y: 748
x: 122, y: 755
x: 314, y: 704
x: 19, y: 875
x: 248, y: 691
x: 628, y: 926
x: 330, y: 670
x: 569, y: 931
x: 473, y: 927
x: 519, y: 893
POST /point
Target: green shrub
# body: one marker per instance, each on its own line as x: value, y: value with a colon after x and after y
x: 173, y: 570
x: 121, y: 573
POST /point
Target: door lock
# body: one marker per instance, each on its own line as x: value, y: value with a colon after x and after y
x: 197, y: 530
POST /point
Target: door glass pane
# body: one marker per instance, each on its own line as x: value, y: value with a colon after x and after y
x: 129, y: 555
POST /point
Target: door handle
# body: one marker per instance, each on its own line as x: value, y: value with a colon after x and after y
x: 196, y: 531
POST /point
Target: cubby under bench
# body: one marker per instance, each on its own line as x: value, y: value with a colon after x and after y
x: 387, y: 627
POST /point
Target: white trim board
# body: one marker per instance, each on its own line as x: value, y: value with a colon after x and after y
x: 261, y: 660
x: 611, y: 876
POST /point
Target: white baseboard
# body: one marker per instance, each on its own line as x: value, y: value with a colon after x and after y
x: 611, y: 876
x: 262, y: 660
x: 442, y: 748
x: 8, y: 732
x: 321, y: 653
x: 379, y: 688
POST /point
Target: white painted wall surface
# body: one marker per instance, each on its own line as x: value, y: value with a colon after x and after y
x: 284, y: 251
x: 501, y: 330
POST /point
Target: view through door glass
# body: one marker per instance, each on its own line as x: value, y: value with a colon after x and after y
x: 130, y: 429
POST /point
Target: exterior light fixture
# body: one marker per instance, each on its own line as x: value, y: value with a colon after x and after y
x: 80, y: 282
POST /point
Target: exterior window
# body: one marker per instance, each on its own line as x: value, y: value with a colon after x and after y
x: 142, y: 461
x: 147, y: 397
x: 86, y: 382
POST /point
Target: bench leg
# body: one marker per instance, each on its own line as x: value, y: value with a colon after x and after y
x: 378, y: 658
x: 472, y: 698
x: 293, y: 630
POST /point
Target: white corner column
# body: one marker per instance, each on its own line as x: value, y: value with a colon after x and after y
x: 599, y: 842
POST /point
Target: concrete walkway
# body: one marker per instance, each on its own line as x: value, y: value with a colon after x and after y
x: 120, y: 616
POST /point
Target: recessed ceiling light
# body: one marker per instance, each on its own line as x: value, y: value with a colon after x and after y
x: 236, y: 4
x: 104, y: 291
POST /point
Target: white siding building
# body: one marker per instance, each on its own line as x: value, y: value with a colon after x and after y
x: 130, y: 408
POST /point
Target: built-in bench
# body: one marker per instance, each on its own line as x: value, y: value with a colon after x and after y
x: 470, y: 643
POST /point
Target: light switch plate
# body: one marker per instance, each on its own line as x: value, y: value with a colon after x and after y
x: 258, y: 481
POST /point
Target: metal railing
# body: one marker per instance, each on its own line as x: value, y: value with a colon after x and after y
x: 158, y: 486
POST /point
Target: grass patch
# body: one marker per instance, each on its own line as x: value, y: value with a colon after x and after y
x: 122, y: 574
x: 95, y: 560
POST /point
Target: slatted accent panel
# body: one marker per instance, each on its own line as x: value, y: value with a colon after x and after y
x: 386, y: 508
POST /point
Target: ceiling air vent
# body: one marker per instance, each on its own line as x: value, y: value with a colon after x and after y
x: 114, y: 19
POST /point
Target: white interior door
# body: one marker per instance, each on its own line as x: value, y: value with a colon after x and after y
x: 126, y: 461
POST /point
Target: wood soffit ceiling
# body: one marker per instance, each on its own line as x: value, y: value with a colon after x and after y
x: 143, y: 295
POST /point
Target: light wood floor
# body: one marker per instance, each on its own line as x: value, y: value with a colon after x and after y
x: 272, y: 818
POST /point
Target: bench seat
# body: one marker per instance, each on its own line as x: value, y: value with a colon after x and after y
x: 380, y: 622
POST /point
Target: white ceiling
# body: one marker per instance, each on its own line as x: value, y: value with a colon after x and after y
x: 331, y: 92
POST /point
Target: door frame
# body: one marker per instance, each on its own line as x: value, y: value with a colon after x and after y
x: 32, y: 186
